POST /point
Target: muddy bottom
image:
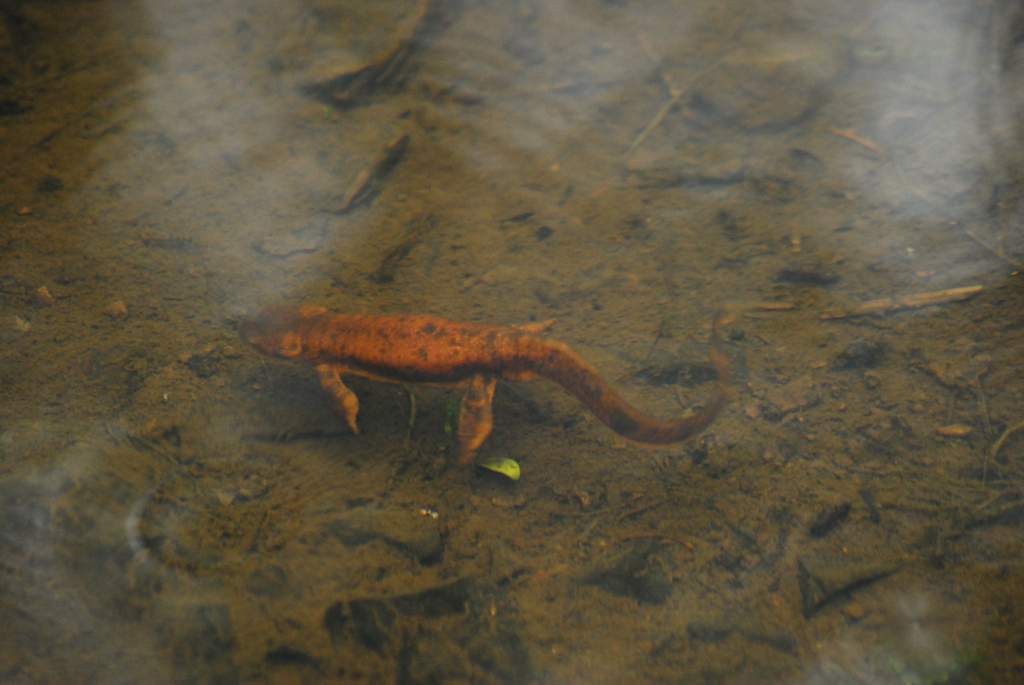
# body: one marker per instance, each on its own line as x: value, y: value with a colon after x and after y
x: 843, y: 182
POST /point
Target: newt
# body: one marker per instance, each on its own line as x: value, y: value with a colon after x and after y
x: 418, y: 348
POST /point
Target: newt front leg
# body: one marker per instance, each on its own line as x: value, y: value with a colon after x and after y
x: 475, y: 416
x: 345, y: 401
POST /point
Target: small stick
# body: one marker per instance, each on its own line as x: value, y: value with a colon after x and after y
x: 412, y: 412
x: 657, y: 338
x: 655, y: 536
x: 853, y: 136
x: 364, y: 187
x: 676, y: 93
x: 983, y: 400
x: 357, y: 191
x: 995, y: 252
x: 760, y: 310
x: 888, y: 304
x: 998, y: 445
x: 773, y: 306
x: 345, y: 88
x: 989, y: 500
x: 954, y: 430
x: 655, y: 122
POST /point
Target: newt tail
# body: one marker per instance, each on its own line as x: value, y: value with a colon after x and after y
x: 428, y: 349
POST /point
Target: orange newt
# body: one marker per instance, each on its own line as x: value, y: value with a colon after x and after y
x: 429, y: 349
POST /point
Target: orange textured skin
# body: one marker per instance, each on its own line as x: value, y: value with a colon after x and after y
x: 430, y: 349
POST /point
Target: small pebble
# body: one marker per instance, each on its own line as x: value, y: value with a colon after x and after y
x: 954, y: 430
x: 807, y: 276
x: 117, y: 309
x: 854, y: 611
x: 860, y: 354
x: 43, y: 296
x: 506, y: 502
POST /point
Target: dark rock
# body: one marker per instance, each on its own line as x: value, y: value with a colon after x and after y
x: 743, y: 87
x: 204, y: 365
x: 707, y: 632
x: 335, y: 622
x: 204, y: 645
x: 372, y: 620
x: 518, y: 218
x: 184, y: 245
x: 25, y: 515
x: 504, y: 656
x: 827, y: 520
x: 860, y: 354
x: 666, y: 369
x: 868, y: 496
x: 10, y: 108
x: 821, y: 585
x: 729, y: 224
x: 681, y: 174
x: 431, y: 658
x: 302, y: 241
x: 804, y: 160
x: 639, y: 574
x: 269, y: 581
x: 289, y: 656
x: 9, y: 285
x: 806, y: 276
x: 452, y: 598
x: 781, y: 642
x: 412, y: 536
x: 437, y: 635
x: 50, y: 184
x: 797, y: 395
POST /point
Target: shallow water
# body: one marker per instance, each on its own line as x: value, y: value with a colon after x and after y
x: 175, y: 507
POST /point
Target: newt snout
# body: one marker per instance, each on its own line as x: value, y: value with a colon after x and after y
x: 276, y: 331
x: 429, y: 349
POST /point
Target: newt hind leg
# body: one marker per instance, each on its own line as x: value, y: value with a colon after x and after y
x: 345, y: 401
x: 475, y: 416
x: 536, y: 327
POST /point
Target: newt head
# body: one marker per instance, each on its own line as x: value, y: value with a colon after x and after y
x: 277, y: 331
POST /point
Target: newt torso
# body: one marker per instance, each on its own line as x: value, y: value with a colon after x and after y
x: 415, y: 348
x: 429, y: 349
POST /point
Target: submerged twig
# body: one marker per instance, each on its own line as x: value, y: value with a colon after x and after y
x: 983, y: 400
x: 288, y: 436
x: 772, y: 306
x: 997, y: 252
x: 347, y: 87
x: 388, y: 267
x: 854, y: 137
x: 366, y: 185
x: 888, y: 304
x: 676, y: 93
x: 998, y: 444
x: 412, y: 412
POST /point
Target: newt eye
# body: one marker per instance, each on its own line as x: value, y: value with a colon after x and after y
x: 291, y: 345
